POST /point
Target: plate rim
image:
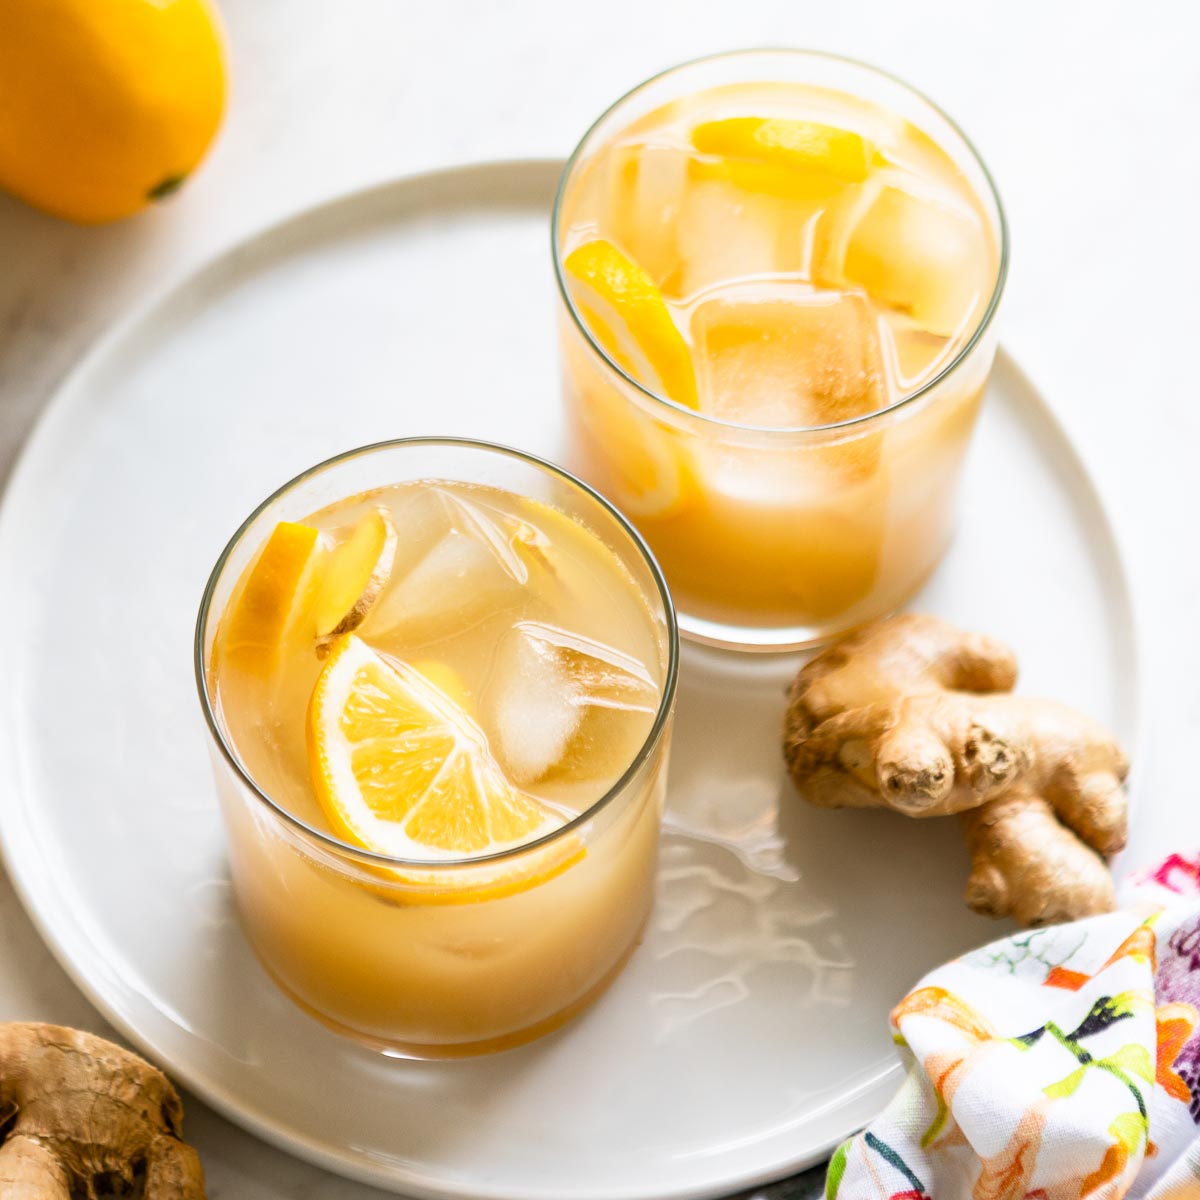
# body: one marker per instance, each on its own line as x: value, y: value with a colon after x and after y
x: 58, y: 408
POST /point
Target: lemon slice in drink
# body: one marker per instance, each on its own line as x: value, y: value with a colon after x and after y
x: 273, y: 601
x: 644, y: 468
x: 794, y: 145
x: 399, y: 767
x: 302, y: 585
x: 649, y: 470
x: 629, y: 317
x: 355, y: 573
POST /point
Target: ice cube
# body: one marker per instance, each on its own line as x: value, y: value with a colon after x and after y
x: 455, y: 583
x: 921, y: 252
x: 785, y: 354
x: 913, y: 353
x: 647, y: 184
x: 477, y: 565
x: 548, y: 680
x: 725, y: 232
x: 501, y: 532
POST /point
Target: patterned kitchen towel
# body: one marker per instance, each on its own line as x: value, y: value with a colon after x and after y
x: 1055, y: 1064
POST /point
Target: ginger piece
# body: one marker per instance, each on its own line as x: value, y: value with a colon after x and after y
x: 912, y: 714
x: 1027, y: 865
x: 81, y: 1118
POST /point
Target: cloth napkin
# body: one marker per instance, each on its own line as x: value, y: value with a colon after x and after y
x: 1055, y: 1064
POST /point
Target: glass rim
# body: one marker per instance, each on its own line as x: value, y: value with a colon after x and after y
x: 375, y: 857
x: 962, y: 354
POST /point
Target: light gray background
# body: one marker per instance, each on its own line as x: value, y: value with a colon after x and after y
x: 1085, y: 112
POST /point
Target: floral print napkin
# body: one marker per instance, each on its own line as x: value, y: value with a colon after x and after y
x: 1055, y: 1064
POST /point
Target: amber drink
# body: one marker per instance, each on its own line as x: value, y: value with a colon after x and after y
x: 778, y: 272
x: 439, y: 678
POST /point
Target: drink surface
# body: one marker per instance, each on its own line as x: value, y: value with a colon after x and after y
x: 520, y: 657
x: 816, y: 257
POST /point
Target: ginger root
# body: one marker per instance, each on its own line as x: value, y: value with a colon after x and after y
x: 912, y: 714
x: 82, y: 1118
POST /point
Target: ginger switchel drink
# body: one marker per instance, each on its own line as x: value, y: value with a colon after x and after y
x: 450, y: 701
x: 778, y: 272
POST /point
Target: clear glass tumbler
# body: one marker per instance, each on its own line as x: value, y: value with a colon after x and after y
x: 772, y: 535
x: 454, y: 956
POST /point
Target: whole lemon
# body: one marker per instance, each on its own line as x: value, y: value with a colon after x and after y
x: 106, y: 105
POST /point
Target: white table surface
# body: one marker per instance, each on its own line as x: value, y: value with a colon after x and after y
x: 1085, y: 112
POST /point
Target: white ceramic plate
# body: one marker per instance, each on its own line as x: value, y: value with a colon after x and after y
x: 748, y: 1034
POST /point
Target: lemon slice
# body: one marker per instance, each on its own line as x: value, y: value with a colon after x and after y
x: 767, y: 179
x: 631, y: 320
x: 399, y: 767
x: 272, y: 602
x: 354, y: 574
x: 304, y: 584
x: 780, y: 142
x: 643, y: 467
x: 646, y: 466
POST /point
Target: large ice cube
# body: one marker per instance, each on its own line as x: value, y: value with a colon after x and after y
x: 784, y: 354
x: 918, y: 251
x: 478, y: 561
x: 646, y: 188
x: 506, y: 536
x: 725, y: 232
x: 913, y: 353
x: 547, y: 681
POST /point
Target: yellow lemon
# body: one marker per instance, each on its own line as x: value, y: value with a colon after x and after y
x: 399, y: 767
x: 794, y: 145
x: 355, y: 573
x: 272, y: 602
x: 645, y: 467
x: 629, y: 317
x: 649, y: 470
x: 106, y: 105
x: 305, y: 584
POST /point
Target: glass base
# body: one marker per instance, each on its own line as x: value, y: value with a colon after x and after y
x: 446, y: 1050
x: 754, y: 639
x: 782, y: 639
x: 772, y: 640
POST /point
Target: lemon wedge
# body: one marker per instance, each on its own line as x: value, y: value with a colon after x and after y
x: 355, y: 573
x: 645, y: 468
x: 780, y: 142
x: 272, y: 602
x: 629, y: 317
x: 399, y: 767
x: 305, y: 585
